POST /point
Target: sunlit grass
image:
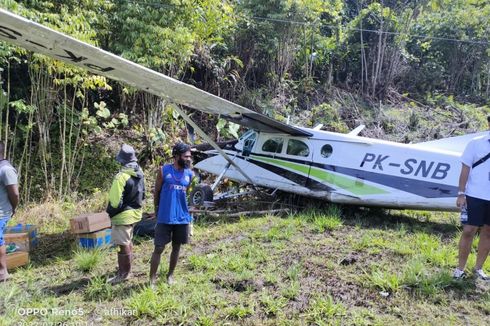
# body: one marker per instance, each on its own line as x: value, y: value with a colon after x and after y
x: 87, y: 260
x: 323, y: 310
x: 272, y: 271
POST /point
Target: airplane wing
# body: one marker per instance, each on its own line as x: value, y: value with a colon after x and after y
x: 453, y: 144
x: 38, y: 38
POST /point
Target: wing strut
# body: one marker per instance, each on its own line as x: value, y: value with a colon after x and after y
x: 211, y: 142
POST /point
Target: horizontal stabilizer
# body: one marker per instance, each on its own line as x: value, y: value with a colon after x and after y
x: 453, y: 144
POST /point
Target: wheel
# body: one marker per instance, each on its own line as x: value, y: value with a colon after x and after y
x: 200, y: 194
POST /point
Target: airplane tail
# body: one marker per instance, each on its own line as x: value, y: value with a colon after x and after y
x: 453, y: 144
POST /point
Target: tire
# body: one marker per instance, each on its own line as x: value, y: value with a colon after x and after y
x: 200, y: 194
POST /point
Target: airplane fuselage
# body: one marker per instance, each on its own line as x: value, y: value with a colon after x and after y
x: 343, y: 168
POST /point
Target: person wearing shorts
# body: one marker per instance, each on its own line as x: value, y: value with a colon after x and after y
x: 474, y: 194
x: 173, y: 217
x: 125, y: 209
x: 9, y: 199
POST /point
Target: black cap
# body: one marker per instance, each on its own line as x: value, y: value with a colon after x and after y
x: 180, y: 148
x: 488, y: 118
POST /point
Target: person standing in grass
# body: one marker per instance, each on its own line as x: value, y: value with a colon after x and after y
x: 173, y: 217
x: 474, y: 195
x: 125, y: 209
x: 9, y: 199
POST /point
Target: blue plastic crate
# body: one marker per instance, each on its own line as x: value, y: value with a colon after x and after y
x: 95, y: 239
x: 31, y: 229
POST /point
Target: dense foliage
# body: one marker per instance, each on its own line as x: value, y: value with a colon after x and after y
x: 390, y: 64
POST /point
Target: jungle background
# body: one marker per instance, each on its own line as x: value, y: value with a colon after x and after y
x: 409, y: 70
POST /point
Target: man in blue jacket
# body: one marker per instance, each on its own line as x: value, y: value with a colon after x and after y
x: 171, y: 211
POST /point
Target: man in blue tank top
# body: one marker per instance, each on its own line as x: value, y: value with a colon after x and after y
x: 171, y: 211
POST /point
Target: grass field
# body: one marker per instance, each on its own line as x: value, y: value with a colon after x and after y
x: 336, y: 266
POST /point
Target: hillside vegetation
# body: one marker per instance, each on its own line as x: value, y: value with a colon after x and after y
x: 409, y: 70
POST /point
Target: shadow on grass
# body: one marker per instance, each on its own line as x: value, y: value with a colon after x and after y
x: 466, y: 289
x: 377, y: 218
x: 52, y: 246
x: 68, y: 287
x: 124, y: 291
x: 120, y: 291
x: 365, y: 217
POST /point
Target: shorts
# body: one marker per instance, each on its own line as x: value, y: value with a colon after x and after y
x: 3, y: 225
x: 121, y: 235
x: 177, y: 233
x: 478, y: 211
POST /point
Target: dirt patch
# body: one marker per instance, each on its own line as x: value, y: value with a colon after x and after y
x: 239, y: 285
x: 350, y: 259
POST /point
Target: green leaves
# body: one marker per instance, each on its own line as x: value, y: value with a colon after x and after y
x: 163, y: 36
x: 123, y: 119
x: 227, y: 128
x: 20, y: 106
x: 102, y: 110
x: 105, y: 114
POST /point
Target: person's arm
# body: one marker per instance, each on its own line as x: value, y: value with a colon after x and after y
x: 467, y: 160
x: 13, y: 194
x: 157, y: 190
x: 116, y: 195
x: 463, y: 179
x: 10, y: 180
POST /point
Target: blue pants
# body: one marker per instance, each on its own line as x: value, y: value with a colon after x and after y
x: 3, y: 225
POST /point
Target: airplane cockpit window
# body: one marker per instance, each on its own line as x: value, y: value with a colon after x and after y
x: 249, y: 143
x: 298, y: 148
x: 273, y: 145
x: 326, y: 150
x: 247, y: 134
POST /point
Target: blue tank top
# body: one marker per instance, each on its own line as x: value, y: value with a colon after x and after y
x: 173, y: 200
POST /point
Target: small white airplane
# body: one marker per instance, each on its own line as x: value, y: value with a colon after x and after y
x: 340, y: 168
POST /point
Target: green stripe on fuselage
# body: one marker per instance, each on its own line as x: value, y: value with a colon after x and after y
x: 357, y: 187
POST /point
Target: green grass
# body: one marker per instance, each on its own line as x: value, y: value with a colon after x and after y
x: 291, y: 290
x: 279, y: 232
x: 384, y: 280
x: 87, y: 260
x: 239, y: 311
x: 416, y: 275
x: 322, y: 221
x: 98, y: 290
x: 318, y: 267
x: 271, y: 305
x: 294, y: 272
x: 324, y: 310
